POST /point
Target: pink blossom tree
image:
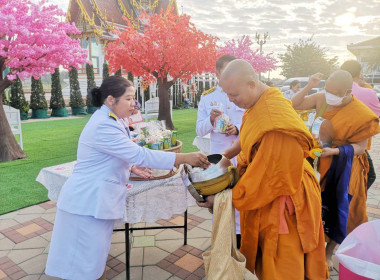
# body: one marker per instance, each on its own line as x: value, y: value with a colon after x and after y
x: 33, y: 42
x: 242, y: 48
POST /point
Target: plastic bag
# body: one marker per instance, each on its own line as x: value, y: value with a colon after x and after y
x: 360, y: 250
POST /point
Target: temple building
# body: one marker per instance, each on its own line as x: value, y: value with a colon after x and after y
x: 97, y: 18
x: 364, y: 52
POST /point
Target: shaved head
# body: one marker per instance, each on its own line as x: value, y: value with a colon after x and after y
x: 241, y: 83
x: 241, y: 69
x: 339, y: 82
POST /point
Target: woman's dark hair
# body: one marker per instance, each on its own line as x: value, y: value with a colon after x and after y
x: 293, y: 83
x: 113, y: 85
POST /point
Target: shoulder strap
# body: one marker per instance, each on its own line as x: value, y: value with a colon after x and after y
x: 321, y: 111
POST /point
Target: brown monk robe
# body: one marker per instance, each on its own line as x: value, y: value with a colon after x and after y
x: 352, y: 123
x: 277, y: 194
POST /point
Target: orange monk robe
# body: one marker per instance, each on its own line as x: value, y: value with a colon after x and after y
x: 276, y: 180
x: 352, y: 123
x: 367, y: 86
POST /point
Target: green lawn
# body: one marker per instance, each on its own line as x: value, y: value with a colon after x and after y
x: 50, y: 143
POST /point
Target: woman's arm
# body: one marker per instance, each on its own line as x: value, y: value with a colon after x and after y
x: 359, y: 149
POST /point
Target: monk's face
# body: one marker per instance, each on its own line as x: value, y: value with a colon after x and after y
x: 240, y: 92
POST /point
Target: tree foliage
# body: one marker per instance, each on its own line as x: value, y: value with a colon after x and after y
x: 56, y: 99
x: 305, y: 58
x: 76, y: 100
x: 170, y: 47
x: 106, y: 72
x: 243, y: 49
x: 37, y: 97
x: 90, y: 83
x: 17, y: 99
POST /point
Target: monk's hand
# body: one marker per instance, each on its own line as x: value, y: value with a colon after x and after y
x: 209, y: 202
x: 231, y: 130
x: 141, y: 171
x: 327, y: 152
x: 315, y: 79
x: 214, y: 114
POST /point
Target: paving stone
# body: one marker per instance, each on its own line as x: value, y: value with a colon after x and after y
x: 135, y: 273
x: 206, y: 225
x: 143, y: 241
x: 7, y: 223
x: 35, y: 265
x: 6, y: 244
x: 200, y: 243
x: 169, y: 245
x: 36, y: 242
x: 189, y: 263
x: 136, y: 257
x: 118, y: 237
x: 4, y: 253
x: 153, y: 255
x: 50, y: 217
x: 198, y: 232
x: 169, y: 234
x: 156, y: 273
x: 47, y: 235
x: 205, y: 214
x: 35, y: 209
x: 26, y: 217
x: 9, y: 215
x: 20, y: 256
x: 117, y: 249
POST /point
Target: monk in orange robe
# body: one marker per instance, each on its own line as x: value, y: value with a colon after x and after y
x: 353, y: 123
x: 277, y: 195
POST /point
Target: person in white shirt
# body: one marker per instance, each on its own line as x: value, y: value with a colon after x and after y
x: 94, y: 197
x: 212, y: 104
x: 294, y: 87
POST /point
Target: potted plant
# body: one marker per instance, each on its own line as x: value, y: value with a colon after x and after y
x: 90, y: 84
x: 106, y: 72
x: 76, y: 101
x: 17, y: 99
x: 38, y: 102
x: 57, y: 103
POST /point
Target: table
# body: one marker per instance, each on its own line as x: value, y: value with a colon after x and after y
x: 147, y: 201
x: 203, y: 143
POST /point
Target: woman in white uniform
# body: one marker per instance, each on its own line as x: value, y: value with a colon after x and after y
x: 94, y: 196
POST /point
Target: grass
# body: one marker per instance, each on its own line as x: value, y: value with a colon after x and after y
x: 50, y: 143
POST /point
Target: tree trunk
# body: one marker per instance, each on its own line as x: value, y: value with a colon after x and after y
x: 164, y: 104
x: 9, y: 148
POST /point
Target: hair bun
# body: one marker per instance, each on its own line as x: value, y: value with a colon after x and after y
x: 96, y: 95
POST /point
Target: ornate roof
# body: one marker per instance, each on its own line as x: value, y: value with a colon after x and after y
x: 364, y: 46
x: 99, y: 17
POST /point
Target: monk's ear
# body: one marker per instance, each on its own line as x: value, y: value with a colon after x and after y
x: 251, y: 84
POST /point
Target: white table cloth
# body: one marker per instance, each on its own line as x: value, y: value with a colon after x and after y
x: 147, y: 201
x: 203, y: 143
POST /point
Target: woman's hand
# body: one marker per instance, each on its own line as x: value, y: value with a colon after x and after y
x: 327, y: 152
x: 141, y: 171
x: 194, y: 159
x: 209, y: 202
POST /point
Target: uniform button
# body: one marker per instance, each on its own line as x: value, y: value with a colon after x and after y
x: 228, y: 107
x: 232, y: 142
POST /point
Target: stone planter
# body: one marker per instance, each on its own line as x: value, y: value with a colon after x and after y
x: 59, y: 112
x: 77, y: 111
x: 23, y: 116
x: 91, y: 109
x: 39, y: 114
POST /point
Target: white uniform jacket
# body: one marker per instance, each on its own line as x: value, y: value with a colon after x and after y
x: 105, y: 154
x: 219, y: 142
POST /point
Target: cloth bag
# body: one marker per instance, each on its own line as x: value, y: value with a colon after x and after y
x: 360, y: 251
x: 224, y: 261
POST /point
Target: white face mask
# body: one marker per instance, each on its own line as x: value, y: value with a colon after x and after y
x: 332, y: 99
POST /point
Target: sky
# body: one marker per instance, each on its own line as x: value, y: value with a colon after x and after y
x: 334, y: 24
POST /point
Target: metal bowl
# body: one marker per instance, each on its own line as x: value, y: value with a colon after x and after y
x: 220, y: 168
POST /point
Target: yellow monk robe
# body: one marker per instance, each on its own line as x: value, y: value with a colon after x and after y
x: 278, y: 195
x: 352, y: 123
